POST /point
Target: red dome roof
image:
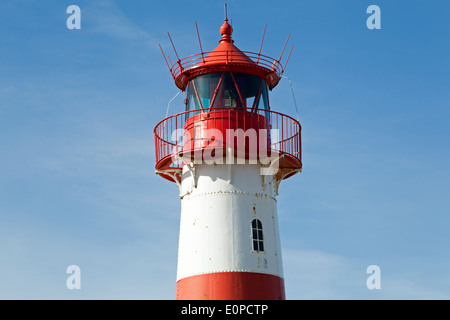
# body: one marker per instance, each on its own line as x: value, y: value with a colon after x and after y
x: 226, y: 51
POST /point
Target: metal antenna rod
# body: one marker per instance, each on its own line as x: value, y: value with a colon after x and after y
x: 173, y: 46
x: 284, y: 47
x: 287, y: 59
x: 165, y: 59
x: 198, y: 35
x: 226, y: 19
x: 262, y: 40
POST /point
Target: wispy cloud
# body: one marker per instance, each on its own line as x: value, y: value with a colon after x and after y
x: 107, y: 19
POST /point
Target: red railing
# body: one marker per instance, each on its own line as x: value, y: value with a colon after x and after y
x: 193, y: 61
x: 264, y: 66
x: 170, y: 133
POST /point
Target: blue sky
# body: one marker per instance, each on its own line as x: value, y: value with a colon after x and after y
x: 78, y: 108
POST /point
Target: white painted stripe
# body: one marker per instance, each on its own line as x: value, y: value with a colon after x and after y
x: 215, y: 224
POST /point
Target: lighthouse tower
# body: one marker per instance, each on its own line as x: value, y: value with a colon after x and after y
x: 227, y: 153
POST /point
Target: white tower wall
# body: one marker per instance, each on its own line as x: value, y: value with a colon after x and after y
x: 218, y: 205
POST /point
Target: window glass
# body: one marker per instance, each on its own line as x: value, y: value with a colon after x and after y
x: 201, y: 91
x: 227, y: 94
x: 257, y: 235
x: 252, y: 88
x: 264, y: 100
x: 250, y: 92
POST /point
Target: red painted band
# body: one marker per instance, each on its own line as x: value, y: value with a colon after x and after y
x: 231, y: 286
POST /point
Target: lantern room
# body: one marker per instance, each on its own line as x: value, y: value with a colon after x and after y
x: 226, y: 90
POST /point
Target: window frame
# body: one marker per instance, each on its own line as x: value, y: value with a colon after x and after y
x: 257, y: 242
x: 261, y: 95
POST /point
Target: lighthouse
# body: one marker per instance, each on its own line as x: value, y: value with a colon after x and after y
x: 228, y: 153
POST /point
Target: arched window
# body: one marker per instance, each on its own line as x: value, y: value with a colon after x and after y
x: 257, y: 235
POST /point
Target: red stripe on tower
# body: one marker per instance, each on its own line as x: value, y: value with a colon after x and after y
x: 231, y: 286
